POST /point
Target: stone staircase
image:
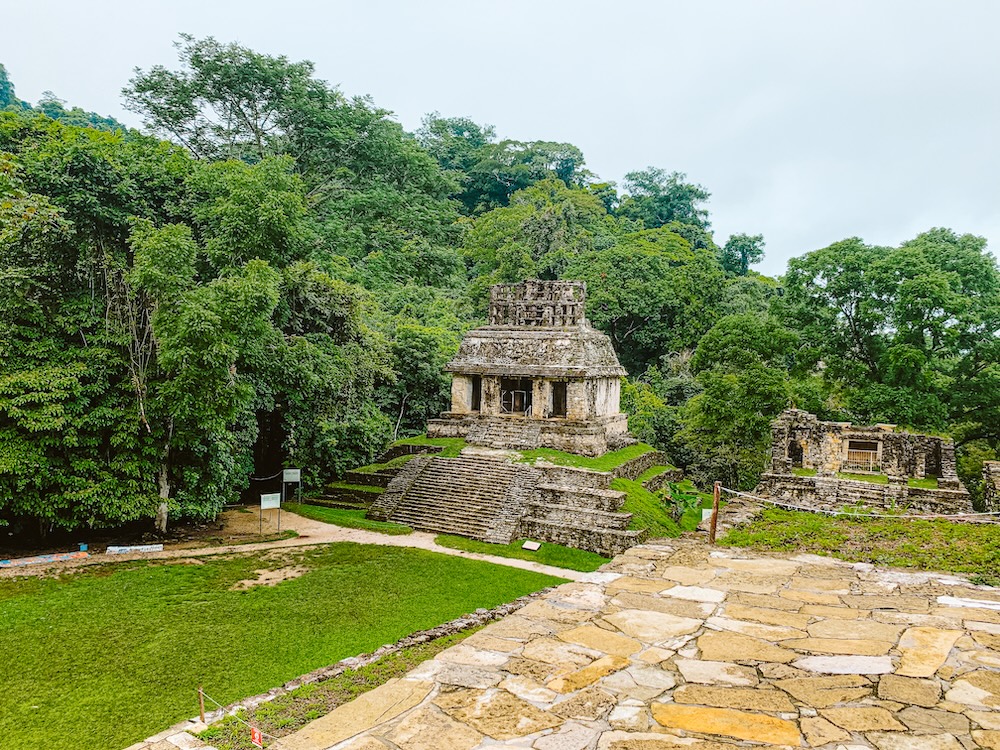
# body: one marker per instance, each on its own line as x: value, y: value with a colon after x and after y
x: 465, y: 496
x: 507, y: 432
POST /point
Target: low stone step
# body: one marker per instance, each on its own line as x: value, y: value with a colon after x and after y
x: 608, y: 542
x: 577, y: 516
x: 583, y: 497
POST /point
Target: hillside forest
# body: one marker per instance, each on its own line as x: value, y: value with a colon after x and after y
x: 273, y: 273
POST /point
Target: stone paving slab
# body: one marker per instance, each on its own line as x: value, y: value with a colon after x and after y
x: 685, y: 646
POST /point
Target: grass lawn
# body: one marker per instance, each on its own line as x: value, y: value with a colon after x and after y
x: 800, y: 472
x: 452, y: 446
x: 927, y: 545
x: 351, y: 519
x: 607, y: 462
x: 393, y: 463
x: 653, y: 471
x: 106, y: 657
x: 870, y: 478
x: 927, y: 483
x: 548, y: 554
x: 355, y: 487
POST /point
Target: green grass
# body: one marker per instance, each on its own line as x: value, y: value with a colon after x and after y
x: 355, y: 487
x: 293, y: 710
x: 108, y: 656
x: 548, y: 554
x: 924, y: 544
x: 926, y: 483
x: 649, y: 513
x: 607, y: 462
x: 801, y: 472
x: 394, y: 463
x: 870, y: 478
x: 351, y: 519
x: 653, y: 471
x: 452, y: 446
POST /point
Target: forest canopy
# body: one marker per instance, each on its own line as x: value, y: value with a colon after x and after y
x: 274, y: 273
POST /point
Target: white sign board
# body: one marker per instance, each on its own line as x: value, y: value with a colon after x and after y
x: 270, y: 501
x: 292, y: 475
x: 124, y: 550
x: 533, y: 546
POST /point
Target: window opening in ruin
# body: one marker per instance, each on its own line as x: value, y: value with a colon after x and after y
x: 515, y: 396
x: 795, y: 453
x: 862, y: 455
x: 477, y: 393
x: 559, y: 399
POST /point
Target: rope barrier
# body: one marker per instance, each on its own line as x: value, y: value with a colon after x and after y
x: 264, y: 479
x: 936, y: 516
x: 241, y: 721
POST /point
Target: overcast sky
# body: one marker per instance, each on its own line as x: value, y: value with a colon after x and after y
x: 807, y: 121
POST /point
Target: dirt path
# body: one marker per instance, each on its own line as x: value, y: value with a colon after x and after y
x: 310, y: 533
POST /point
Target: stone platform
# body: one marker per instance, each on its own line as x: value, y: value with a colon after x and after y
x: 685, y: 646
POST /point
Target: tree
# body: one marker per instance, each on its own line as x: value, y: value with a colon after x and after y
x: 657, y: 198
x: 741, y: 251
x: 651, y: 293
x: 912, y: 334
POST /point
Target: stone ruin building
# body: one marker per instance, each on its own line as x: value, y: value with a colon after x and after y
x: 536, y: 376
x: 991, y: 486
x: 809, y: 459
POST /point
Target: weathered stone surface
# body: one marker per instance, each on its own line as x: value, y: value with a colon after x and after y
x: 872, y: 601
x: 767, y: 616
x: 818, y: 731
x: 514, y: 626
x: 556, y: 612
x: 763, y: 566
x: 588, y: 675
x: 891, y: 741
x: 836, y: 613
x: 988, y: 739
x: 430, y: 729
x: 465, y: 676
x: 927, y: 721
x: 822, y: 692
x: 364, y: 743
x: 619, y: 740
x: 754, y: 629
x: 716, y: 673
x: 472, y: 656
x: 601, y: 640
x: 495, y: 713
x: 846, y: 664
x: 629, y: 718
x: 985, y: 719
x: 642, y: 683
x: 486, y: 641
x: 840, y: 585
x: 571, y: 736
x: 695, y: 594
x: 587, y: 705
x: 867, y: 630
x: 368, y: 710
x: 552, y: 651
x: 979, y: 689
x: 688, y: 576
x: 863, y: 719
x: 741, y: 649
x: 750, y: 699
x: 924, y: 650
x: 835, y: 646
x: 528, y: 689
x: 652, y: 627
x: 641, y: 585
x: 654, y: 655
x: 536, y: 670
x: 767, y: 602
x: 676, y: 607
x: 728, y: 723
x: 810, y: 597
x: 909, y: 690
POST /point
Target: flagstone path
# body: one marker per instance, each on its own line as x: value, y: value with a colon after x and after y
x: 685, y: 646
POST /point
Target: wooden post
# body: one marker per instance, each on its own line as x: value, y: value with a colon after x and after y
x: 716, y: 492
x: 201, y: 704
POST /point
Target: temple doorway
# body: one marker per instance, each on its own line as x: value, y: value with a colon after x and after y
x: 515, y: 396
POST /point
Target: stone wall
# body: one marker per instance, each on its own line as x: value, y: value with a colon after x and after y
x: 833, y: 494
x: 543, y: 304
x: 991, y: 486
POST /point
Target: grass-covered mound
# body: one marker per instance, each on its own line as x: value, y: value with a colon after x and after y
x: 109, y: 656
x: 924, y: 544
x: 548, y: 554
x: 607, y: 462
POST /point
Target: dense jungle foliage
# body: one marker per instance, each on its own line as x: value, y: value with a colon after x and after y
x: 274, y: 273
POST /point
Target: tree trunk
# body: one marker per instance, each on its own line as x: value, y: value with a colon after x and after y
x: 163, y: 481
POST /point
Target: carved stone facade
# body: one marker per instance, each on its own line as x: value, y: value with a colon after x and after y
x: 809, y: 456
x: 991, y: 486
x: 538, y: 376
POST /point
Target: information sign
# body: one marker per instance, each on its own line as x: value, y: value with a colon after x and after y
x: 256, y: 737
x: 292, y: 475
x: 273, y: 500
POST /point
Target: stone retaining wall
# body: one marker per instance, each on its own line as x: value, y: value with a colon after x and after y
x: 991, y: 486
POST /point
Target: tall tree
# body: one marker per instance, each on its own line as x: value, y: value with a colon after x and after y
x: 656, y: 197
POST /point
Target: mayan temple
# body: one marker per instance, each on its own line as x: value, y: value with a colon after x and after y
x: 537, y: 376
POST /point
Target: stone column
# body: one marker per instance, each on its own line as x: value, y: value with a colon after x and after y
x: 490, y: 395
x: 949, y: 470
x: 461, y: 394
x: 540, y: 398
